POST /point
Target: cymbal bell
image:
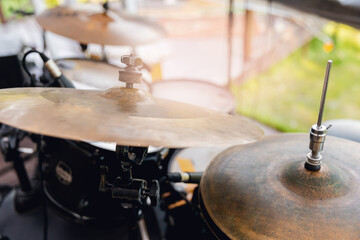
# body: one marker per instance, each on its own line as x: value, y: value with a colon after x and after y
x: 262, y: 190
x: 126, y: 116
x: 90, y: 25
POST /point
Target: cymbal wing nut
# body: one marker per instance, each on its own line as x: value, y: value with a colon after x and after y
x: 131, y: 60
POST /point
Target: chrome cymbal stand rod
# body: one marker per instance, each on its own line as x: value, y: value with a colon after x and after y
x: 318, y: 131
x: 322, y: 103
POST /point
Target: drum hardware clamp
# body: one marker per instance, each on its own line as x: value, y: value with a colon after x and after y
x: 318, y: 131
x: 131, y: 191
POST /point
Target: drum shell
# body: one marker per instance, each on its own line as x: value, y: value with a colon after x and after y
x: 72, y: 176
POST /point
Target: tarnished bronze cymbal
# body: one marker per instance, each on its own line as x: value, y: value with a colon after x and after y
x: 91, y: 25
x: 262, y: 190
x: 123, y: 115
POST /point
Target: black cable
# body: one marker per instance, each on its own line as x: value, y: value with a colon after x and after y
x: 23, y: 63
x: 51, y: 66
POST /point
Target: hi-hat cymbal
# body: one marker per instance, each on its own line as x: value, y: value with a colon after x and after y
x: 262, y: 190
x: 123, y: 115
x: 89, y: 25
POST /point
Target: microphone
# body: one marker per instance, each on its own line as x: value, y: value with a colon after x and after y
x: 56, y: 72
x: 186, y: 177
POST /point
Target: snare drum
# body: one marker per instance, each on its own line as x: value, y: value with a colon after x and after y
x: 199, y: 93
x: 72, y: 179
x: 91, y: 74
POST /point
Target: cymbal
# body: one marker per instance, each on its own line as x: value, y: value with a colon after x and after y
x: 127, y: 116
x: 90, y: 25
x: 262, y: 190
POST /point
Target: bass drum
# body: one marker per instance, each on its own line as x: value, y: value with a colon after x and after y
x: 30, y: 226
x: 199, y: 93
x: 93, y: 75
x: 72, y: 178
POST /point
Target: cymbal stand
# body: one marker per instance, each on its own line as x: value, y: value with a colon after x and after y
x: 318, y: 131
x: 9, y: 146
x: 131, y: 192
x: 26, y: 196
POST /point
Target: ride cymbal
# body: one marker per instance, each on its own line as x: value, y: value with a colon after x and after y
x: 262, y: 190
x: 90, y: 25
x: 126, y: 116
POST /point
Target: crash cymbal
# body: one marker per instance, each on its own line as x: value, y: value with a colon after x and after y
x: 127, y: 116
x: 90, y: 25
x: 263, y: 191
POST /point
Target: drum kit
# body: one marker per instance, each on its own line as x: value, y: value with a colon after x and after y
x: 105, y: 149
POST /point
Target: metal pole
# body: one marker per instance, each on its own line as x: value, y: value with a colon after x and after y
x: 230, y: 28
x: 322, y: 103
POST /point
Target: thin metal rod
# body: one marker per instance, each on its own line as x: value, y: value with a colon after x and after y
x: 322, y: 103
x: 230, y: 38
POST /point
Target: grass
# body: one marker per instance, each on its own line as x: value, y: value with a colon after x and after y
x: 9, y: 6
x: 287, y: 96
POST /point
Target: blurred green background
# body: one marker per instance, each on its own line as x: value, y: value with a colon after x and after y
x: 287, y: 96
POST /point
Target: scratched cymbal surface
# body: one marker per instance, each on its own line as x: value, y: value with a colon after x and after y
x: 262, y: 190
x: 122, y: 115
